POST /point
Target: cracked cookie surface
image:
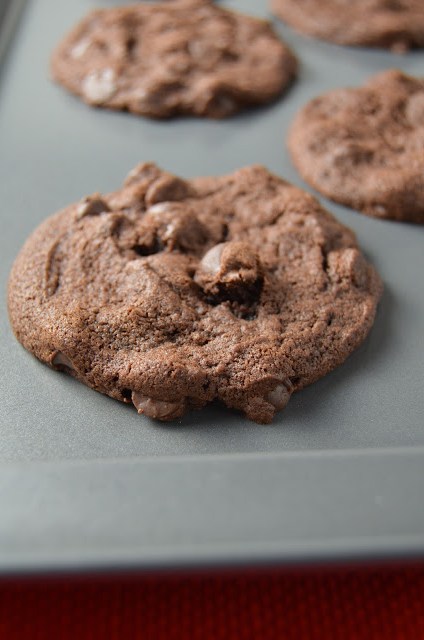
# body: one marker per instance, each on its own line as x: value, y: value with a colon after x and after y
x: 393, y: 24
x: 364, y: 147
x: 170, y: 293
x: 167, y: 59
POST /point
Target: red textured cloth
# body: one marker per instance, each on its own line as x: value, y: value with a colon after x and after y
x: 348, y: 604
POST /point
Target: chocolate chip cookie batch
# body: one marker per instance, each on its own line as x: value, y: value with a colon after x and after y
x: 169, y: 293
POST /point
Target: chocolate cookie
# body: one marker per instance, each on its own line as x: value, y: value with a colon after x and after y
x: 171, y: 293
x: 176, y: 58
x: 364, y: 147
x: 394, y: 24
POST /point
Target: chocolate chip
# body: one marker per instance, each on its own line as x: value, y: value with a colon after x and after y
x: 80, y: 48
x: 145, y: 172
x: 92, y: 206
x: 211, y: 262
x: 222, y: 105
x: 63, y: 362
x: 279, y: 396
x: 167, y: 188
x: 157, y: 409
x: 99, y: 86
x: 231, y: 271
x: 218, y: 99
x: 169, y: 226
x: 348, y: 264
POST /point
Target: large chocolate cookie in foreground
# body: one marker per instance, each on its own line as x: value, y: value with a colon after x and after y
x: 365, y: 147
x: 394, y: 24
x: 172, y: 293
x: 166, y: 59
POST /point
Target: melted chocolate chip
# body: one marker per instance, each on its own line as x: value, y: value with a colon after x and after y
x: 279, y: 397
x: 62, y: 362
x: 167, y: 188
x: 172, y: 227
x: 92, y: 206
x: 157, y: 409
x: 231, y: 271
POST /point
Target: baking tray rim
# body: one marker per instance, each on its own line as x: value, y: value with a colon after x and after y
x: 72, y: 537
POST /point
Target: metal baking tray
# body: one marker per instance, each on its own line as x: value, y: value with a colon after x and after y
x: 87, y: 483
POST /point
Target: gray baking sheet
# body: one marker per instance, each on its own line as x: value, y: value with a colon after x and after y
x: 85, y: 481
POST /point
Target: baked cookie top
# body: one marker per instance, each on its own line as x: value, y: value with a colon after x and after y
x: 171, y: 58
x: 364, y: 147
x: 395, y: 24
x: 172, y: 293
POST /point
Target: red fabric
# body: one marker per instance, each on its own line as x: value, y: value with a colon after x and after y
x: 343, y: 604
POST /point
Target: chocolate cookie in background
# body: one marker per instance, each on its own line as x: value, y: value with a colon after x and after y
x: 174, y: 58
x: 171, y: 293
x: 364, y: 147
x: 391, y: 24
